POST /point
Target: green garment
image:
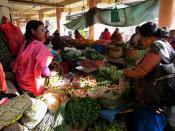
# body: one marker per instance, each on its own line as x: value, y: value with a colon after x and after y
x: 129, y: 16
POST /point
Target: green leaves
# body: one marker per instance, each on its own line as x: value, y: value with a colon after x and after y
x: 81, y: 112
x: 92, y: 54
x: 108, y: 75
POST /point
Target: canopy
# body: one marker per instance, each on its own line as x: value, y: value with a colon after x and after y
x: 129, y: 16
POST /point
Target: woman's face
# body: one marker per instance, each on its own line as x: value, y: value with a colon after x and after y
x: 39, y: 33
x: 146, y: 41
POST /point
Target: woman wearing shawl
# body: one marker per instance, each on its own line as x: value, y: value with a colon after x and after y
x: 117, y: 36
x: 33, y: 59
x: 105, y: 35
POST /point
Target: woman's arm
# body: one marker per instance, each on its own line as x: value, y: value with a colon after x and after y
x: 149, y: 62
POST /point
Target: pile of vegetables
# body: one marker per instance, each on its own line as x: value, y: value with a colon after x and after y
x: 108, y: 75
x: 102, y: 42
x: 84, y: 42
x: 81, y: 112
x: 92, y: 54
x: 104, y: 125
x: 73, y: 53
x: 81, y: 82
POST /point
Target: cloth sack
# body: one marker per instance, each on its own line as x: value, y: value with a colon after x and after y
x: 12, y: 110
x: 34, y: 114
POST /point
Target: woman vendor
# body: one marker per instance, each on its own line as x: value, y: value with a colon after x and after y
x: 157, y: 72
x: 33, y: 59
x: 117, y: 36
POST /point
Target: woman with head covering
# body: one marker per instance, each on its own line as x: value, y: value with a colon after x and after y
x: 105, y: 35
x: 117, y: 36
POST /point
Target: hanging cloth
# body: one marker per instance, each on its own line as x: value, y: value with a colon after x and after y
x: 114, y: 15
x: 129, y: 16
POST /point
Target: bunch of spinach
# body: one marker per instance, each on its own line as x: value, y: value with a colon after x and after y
x: 81, y: 112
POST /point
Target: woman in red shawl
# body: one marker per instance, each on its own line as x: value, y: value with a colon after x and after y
x: 105, y: 35
x: 33, y: 59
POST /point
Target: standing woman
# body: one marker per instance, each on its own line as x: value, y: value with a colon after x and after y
x: 157, y: 71
x: 33, y: 59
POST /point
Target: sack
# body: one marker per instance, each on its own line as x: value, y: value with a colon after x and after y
x: 52, y: 99
x: 14, y: 36
x: 34, y: 114
x: 12, y: 111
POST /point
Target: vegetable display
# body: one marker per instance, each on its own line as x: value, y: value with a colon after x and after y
x: 92, y: 54
x: 104, y: 125
x: 81, y: 112
x: 76, y: 54
x: 108, y: 75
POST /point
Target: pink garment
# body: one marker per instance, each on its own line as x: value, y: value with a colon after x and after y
x: 3, y: 85
x: 3, y: 101
x: 29, y: 65
x: 45, y: 71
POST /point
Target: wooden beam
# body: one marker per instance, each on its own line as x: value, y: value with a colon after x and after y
x: 67, y: 2
x: 36, y: 3
x: 76, y: 9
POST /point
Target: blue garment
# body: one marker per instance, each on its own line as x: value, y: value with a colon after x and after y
x: 56, y: 55
x: 147, y: 120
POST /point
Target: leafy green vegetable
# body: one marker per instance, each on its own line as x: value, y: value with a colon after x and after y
x: 104, y: 125
x: 108, y: 75
x: 92, y: 54
x: 81, y: 112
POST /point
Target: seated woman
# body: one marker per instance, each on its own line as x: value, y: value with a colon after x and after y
x: 78, y: 36
x: 33, y: 59
x: 105, y: 35
x: 117, y: 36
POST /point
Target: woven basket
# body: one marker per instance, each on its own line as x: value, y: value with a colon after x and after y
x: 115, y: 52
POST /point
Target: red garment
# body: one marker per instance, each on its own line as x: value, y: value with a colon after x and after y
x: 106, y: 35
x: 117, y: 37
x: 29, y: 64
x: 78, y: 36
x: 3, y: 85
x: 14, y: 36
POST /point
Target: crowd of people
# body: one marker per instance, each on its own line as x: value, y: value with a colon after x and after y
x: 155, y: 73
